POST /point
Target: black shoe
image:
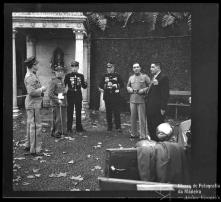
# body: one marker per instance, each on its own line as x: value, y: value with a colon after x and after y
x: 56, y: 135
x: 80, y: 130
x: 109, y: 129
x: 27, y: 149
x: 37, y: 154
x: 119, y: 130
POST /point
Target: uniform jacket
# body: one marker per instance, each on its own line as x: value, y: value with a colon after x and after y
x: 56, y: 86
x: 158, y: 95
x: 137, y: 83
x: 33, y: 85
x: 107, y: 83
x: 75, y: 82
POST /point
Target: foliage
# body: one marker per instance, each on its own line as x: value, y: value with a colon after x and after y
x: 153, y: 21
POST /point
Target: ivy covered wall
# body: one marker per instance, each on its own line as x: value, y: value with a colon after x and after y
x: 173, y: 52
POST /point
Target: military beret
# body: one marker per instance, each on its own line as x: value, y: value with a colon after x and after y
x: 74, y: 63
x: 30, y: 61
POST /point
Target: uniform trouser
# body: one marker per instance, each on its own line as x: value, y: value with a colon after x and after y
x: 112, y: 108
x: 70, y: 109
x: 59, y: 119
x: 33, y: 133
x: 138, y: 108
x: 153, y: 120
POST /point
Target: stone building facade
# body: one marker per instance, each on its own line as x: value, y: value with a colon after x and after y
x: 40, y: 34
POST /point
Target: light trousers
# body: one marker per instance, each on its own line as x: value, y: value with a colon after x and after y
x: 33, y: 133
x: 138, y: 109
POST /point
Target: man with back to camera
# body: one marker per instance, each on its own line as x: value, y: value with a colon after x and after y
x: 74, y: 81
x: 111, y: 84
x: 156, y: 99
x: 33, y: 102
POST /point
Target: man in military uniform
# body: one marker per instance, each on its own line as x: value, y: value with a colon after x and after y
x: 137, y: 85
x: 33, y: 101
x: 57, y: 95
x: 75, y: 81
x: 111, y: 84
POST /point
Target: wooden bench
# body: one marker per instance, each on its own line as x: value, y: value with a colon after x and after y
x: 176, y: 104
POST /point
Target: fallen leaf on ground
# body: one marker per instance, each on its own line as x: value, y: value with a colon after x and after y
x: 30, y: 176
x: 35, y: 170
x: 52, y: 175
x: 69, y: 138
x: 25, y: 183
x: 37, y: 158
x: 17, y: 179
x: 74, y: 189
x: 19, y: 158
x: 47, y: 154
x: 62, y: 174
x: 72, y: 161
x: 37, y: 175
x: 16, y: 166
x: 58, y: 175
x: 79, y: 178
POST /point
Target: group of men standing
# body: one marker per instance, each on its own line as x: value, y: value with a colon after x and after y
x: 148, y: 99
x: 65, y: 96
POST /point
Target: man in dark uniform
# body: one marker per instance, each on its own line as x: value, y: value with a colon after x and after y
x: 75, y: 81
x: 156, y: 99
x: 57, y: 95
x: 33, y: 100
x: 111, y: 84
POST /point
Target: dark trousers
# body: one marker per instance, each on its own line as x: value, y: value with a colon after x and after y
x: 112, y: 108
x: 153, y: 120
x: 77, y: 105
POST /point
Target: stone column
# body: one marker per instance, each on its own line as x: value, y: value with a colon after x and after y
x: 30, y: 43
x: 15, y: 106
x: 79, y: 56
x: 86, y: 71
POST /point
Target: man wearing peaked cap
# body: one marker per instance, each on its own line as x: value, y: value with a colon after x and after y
x: 33, y: 101
x: 57, y: 95
x: 110, y: 84
x: 30, y: 61
x: 74, y: 63
x: 75, y: 81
